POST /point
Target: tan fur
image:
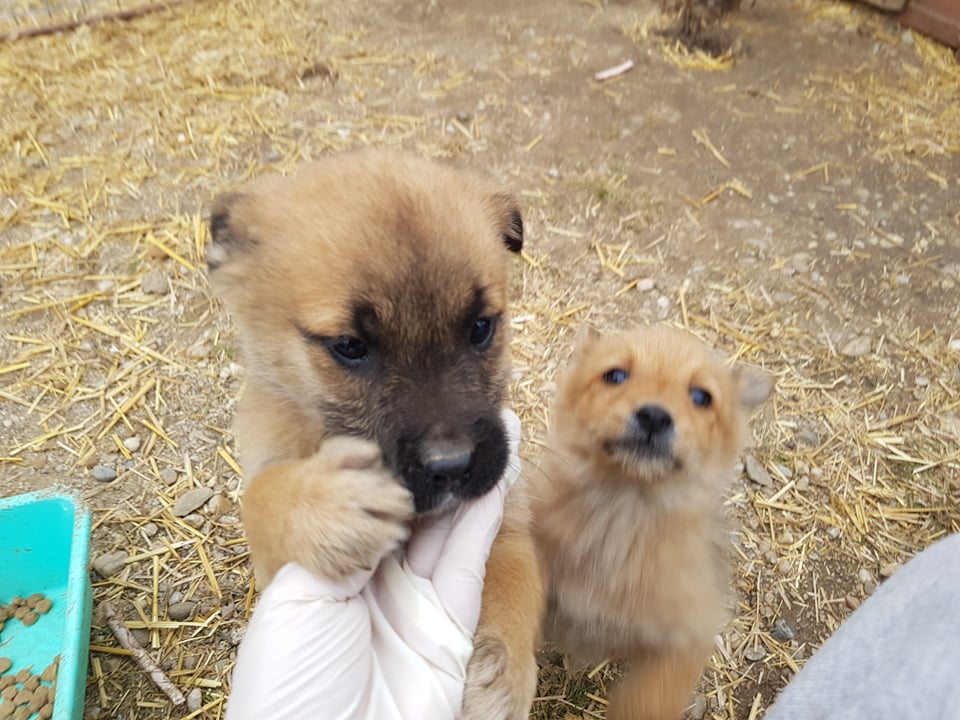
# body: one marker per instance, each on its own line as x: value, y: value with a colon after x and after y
x: 630, y: 545
x: 293, y: 258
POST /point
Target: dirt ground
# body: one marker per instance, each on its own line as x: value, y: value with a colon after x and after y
x: 795, y: 204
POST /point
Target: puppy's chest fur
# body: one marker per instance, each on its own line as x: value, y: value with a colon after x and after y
x: 629, y: 568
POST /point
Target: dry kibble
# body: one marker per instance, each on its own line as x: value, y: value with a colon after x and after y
x: 23, y: 675
x: 34, y: 599
x: 43, y: 606
x: 50, y: 672
x: 29, y: 618
x: 9, y: 692
x: 32, y: 683
x: 37, y: 701
x: 46, y: 712
x: 21, y: 713
x: 17, y: 601
x: 21, y: 611
x: 23, y: 697
x: 6, y: 708
x: 6, y: 681
x: 5, y: 664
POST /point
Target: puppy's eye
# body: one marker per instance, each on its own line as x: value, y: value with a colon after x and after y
x: 700, y: 397
x: 350, y: 352
x: 482, y: 332
x: 617, y: 376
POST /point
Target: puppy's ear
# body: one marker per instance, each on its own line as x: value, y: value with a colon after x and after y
x: 586, y: 338
x: 227, y: 237
x: 509, y: 221
x: 754, y: 385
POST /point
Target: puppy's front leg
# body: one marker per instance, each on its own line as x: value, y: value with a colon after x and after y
x: 335, y: 513
x: 659, y: 685
x: 502, y: 673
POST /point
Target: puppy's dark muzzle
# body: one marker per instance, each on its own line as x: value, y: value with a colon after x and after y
x: 650, y: 434
x: 447, y: 462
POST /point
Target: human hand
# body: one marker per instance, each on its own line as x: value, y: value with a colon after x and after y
x: 389, y: 644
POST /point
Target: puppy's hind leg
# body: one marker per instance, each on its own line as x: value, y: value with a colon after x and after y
x: 659, y: 685
x: 502, y: 673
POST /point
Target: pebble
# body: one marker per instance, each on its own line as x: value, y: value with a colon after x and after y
x: 756, y: 653
x: 168, y: 475
x: 852, y: 602
x: 756, y: 472
x: 783, y: 631
x: 865, y: 576
x: 194, y: 520
x: 857, y: 346
x: 110, y: 564
x: 645, y: 284
x: 218, y: 505
x: 834, y: 532
x: 181, y: 611
x: 889, y: 569
x: 955, y: 345
x: 132, y: 443
x: 191, y: 500
x: 698, y: 709
x: 150, y: 529
x: 104, y: 473
x: 194, y: 700
x: 155, y: 282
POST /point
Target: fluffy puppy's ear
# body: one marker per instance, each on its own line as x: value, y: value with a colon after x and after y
x: 509, y: 221
x: 754, y: 385
x: 227, y: 237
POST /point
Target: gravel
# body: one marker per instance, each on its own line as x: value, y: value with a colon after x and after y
x: 110, y: 563
x: 104, y: 473
x: 191, y: 500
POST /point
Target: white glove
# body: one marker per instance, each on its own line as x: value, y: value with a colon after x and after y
x: 389, y: 644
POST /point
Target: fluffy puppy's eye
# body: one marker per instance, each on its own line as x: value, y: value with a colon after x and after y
x: 616, y: 376
x: 350, y: 352
x: 482, y: 332
x: 700, y: 397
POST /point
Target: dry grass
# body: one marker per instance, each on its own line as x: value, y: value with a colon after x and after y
x: 116, y: 137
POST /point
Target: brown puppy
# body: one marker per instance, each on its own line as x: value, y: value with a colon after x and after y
x: 370, y: 292
x: 627, y: 510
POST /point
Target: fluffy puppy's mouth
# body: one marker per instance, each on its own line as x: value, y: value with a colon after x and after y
x: 649, y: 440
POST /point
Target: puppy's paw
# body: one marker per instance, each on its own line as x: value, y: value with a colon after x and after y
x: 499, y: 687
x: 335, y: 513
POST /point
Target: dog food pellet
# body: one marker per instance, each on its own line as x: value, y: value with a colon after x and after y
x: 32, y: 683
x: 43, y: 606
x: 6, y: 708
x: 22, y: 696
x: 6, y: 682
x: 23, y: 675
x: 49, y: 673
x: 46, y: 712
x: 9, y: 692
x: 5, y: 664
x: 21, y: 713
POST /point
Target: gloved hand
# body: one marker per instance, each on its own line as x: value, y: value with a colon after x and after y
x: 389, y: 644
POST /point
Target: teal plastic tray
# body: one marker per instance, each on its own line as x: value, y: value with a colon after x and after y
x: 45, y: 548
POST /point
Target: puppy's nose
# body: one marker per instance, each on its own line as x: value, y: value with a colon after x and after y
x: 446, y: 460
x: 653, y: 420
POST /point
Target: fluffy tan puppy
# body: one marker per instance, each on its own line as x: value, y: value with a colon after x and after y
x: 646, y: 428
x: 370, y: 293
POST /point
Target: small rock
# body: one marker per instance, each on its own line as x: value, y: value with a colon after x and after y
x: 698, y: 709
x: 194, y: 520
x: 756, y: 472
x: 955, y: 345
x: 857, y: 346
x: 645, y: 284
x: 869, y: 587
x: 155, y: 282
x: 109, y: 564
x: 194, y: 700
x: 150, y: 529
x: 132, y: 443
x: 191, y: 500
x: 168, y: 475
x: 785, y: 566
x: 852, y: 602
x: 104, y: 473
x: 181, y: 611
x: 803, y: 482
x: 226, y: 611
x: 834, y: 532
x: 865, y: 576
x: 889, y: 569
x: 783, y: 631
x: 218, y: 505
x: 756, y: 653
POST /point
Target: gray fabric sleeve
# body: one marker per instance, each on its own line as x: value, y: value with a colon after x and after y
x: 897, y: 656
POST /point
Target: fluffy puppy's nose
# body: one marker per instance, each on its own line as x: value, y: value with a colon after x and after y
x: 446, y: 460
x: 653, y: 420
